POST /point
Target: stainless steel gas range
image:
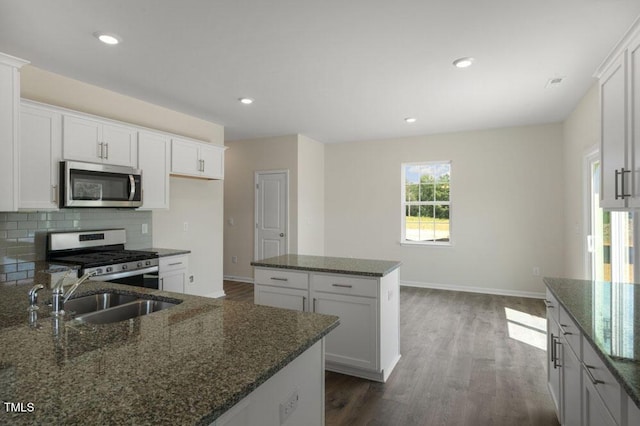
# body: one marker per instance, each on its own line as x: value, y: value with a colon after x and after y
x: 102, y: 252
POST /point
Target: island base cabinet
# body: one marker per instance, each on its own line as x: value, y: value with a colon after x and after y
x: 278, y: 297
x: 302, y: 379
x: 595, y: 410
x: 354, y: 342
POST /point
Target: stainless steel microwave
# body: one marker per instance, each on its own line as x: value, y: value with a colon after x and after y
x: 99, y: 185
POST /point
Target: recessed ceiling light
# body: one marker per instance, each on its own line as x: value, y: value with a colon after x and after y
x: 106, y: 38
x: 463, y: 62
x: 410, y: 120
x: 246, y: 101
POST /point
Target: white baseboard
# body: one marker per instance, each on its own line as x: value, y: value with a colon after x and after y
x: 239, y: 279
x: 216, y: 295
x: 484, y: 290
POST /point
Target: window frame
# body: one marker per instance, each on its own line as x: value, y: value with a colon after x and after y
x: 403, y: 206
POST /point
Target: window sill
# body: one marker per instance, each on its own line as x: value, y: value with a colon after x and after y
x: 416, y: 244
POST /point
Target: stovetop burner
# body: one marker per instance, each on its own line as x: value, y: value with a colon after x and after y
x: 102, y: 258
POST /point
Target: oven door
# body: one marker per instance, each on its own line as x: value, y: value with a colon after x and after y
x: 147, y: 277
x: 99, y: 185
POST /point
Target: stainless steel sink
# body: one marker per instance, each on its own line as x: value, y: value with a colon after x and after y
x: 124, y: 312
x: 97, y: 302
x: 110, y: 307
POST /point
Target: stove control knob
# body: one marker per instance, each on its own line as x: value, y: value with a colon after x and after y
x: 139, y: 264
x: 109, y: 269
x: 147, y: 263
x: 98, y: 271
x: 124, y: 267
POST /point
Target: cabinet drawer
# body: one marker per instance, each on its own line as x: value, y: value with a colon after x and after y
x: 341, y: 284
x: 172, y: 263
x: 553, y: 307
x: 282, y: 278
x: 607, y: 387
x: 571, y: 332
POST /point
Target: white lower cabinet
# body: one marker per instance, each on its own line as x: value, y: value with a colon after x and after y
x: 302, y: 379
x: 582, y: 388
x: 173, y: 273
x: 366, y: 343
x: 40, y: 154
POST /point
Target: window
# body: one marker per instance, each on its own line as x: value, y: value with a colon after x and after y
x: 426, y: 203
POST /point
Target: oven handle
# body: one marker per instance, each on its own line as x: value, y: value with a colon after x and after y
x: 125, y: 274
x: 132, y: 191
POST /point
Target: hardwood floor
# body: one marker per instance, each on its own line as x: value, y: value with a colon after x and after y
x: 462, y: 364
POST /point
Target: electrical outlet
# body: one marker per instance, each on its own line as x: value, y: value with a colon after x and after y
x: 145, y: 228
x: 190, y: 278
x: 288, y: 407
x: 234, y: 259
x: 536, y: 271
x: 185, y: 226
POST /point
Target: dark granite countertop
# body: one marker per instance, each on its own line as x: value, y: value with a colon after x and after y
x: 184, y: 365
x: 335, y: 265
x: 598, y: 307
x: 165, y: 252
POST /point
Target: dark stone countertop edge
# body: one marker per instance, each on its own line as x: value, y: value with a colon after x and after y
x: 326, y: 270
x: 208, y: 419
x: 634, y: 394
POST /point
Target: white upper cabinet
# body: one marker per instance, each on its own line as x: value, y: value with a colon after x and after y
x: 197, y: 159
x: 620, y: 126
x: 95, y: 141
x: 9, y: 130
x: 40, y: 153
x: 154, y: 161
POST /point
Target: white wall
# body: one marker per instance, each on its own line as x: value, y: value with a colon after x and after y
x: 242, y: 160
x: 581, y: 132
x: 310, y: 196
x: 506, y: 207
x: 199, y: 202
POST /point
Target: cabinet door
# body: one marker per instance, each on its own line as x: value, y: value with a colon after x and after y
x: 554, y: 351
x: 595, y: 412
x: 613, y: 110
x: 278, y: 297
x: 212, y: 161
x: 173, y: 281
x: 154, y: 161
x: 40, y: 152
x: 355, y: 341
x: 572, y: 383
x: 120, y: 145
x: 81, y: 139
x: 185, y: 158
x: 634, y: 81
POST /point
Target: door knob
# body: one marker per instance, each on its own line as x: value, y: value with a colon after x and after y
x: 282, y: 234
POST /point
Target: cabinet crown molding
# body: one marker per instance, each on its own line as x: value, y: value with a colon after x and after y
x: 622, y: 44
x: 12, y: 60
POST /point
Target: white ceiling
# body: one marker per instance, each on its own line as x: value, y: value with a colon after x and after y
x: 332, y: 70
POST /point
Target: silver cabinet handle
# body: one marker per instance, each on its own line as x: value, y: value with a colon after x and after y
x: 54, y: 188
x: 548, y: 303
x: 161, y: 284
x: 282, y: 234
x: 100, y: 149
x: 174, y: 264
x: 304, y: 299
x: 620, y: 175
x: 564, y: 332
x: 342, y: 285
x: 314, y: 304
x: 106, y: 156
x: 279, y: 279
x: 555, y: 359
x: 588, y: 368
x: 203, y: 165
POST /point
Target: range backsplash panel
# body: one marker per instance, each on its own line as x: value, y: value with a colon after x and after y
x: 23, y: 235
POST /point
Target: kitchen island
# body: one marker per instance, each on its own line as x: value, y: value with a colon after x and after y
x: 594, y: 351
x: 363, y: 293
x: 201, y: 361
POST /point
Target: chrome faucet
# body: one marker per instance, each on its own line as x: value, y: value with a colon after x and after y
x: 59, y: 297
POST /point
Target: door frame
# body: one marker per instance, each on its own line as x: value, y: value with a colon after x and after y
x: 590, y: 154
x: 256, y: 176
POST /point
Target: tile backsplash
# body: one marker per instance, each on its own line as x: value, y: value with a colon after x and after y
x: 23, y: 235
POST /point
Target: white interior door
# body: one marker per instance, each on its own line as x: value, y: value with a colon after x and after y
x: 272, y: 219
